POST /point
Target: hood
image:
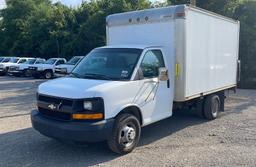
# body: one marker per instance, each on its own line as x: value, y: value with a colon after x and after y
x: 43, y: 65
x: 64, y: 66
x: 75, y: 88
x: 15, y: 65
x: 8, y: 64
x: 24, y: 66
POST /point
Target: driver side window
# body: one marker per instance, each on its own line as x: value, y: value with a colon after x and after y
x: 151, y: 63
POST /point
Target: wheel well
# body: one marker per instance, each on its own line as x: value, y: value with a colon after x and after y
x: 48, y: 70
x: 134, y: 111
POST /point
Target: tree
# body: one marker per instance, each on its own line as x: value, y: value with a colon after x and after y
x: 15, y: 25
x: 92, y: 32
x: 224, y: 7
x: 245, y: 12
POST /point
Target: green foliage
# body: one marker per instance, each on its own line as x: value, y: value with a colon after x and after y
x: 39, y: 28
x: 246, y: 13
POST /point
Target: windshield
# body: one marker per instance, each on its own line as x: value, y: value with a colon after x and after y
x: 1, y: 59
x: 108, y: 64
x: 6, y: 60
x: 30, y: 61
x: 73, y: 61
x: 40, y: 61
x: 22, y: 61
x: 50, y: 61
x: 14, y: 60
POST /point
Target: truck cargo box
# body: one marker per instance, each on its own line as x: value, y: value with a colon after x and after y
x: 200, y: 46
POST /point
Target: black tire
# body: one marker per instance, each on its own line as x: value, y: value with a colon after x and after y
x: 211, y: 107
x: 121, y: 130
x: 48, y: 75
x: 26, y: 73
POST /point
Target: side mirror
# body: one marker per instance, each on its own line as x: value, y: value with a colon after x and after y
x: 163, y: 74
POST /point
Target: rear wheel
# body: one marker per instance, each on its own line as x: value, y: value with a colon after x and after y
x: 48, y: 74
x: 211, y: 107
x: 125, y: 135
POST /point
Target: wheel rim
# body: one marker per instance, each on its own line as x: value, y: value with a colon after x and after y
x: 215, y: 107
x: 48, y: 75
x: 127, y: 135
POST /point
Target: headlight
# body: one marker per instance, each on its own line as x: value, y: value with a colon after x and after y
x: 89, y: 109
x: 87, y: 105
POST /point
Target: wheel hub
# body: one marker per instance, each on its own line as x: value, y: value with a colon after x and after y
x: 128, y: 135
x: 48, y: 75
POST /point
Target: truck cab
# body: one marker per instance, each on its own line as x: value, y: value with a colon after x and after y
x: 46, y: 69
x: 108, y: 83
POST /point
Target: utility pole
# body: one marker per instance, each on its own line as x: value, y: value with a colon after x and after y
x: 193, y: 2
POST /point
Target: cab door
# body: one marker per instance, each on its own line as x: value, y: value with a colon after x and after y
x: 154, y: 96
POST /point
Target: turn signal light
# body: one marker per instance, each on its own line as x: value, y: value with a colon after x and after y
x: 87, y: 116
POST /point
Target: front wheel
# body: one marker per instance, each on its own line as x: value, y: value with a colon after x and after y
x: 125, y: 135
x: 48, y: 75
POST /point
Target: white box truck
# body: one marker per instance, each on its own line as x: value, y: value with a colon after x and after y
x: 155, y: 60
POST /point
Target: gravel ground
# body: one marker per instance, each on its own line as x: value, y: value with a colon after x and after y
x: 182, y: 140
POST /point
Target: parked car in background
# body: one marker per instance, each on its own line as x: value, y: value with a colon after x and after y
x: 22, y: 68
x: 64, y: 69
x: 6, y: 63
x: 46, y: 70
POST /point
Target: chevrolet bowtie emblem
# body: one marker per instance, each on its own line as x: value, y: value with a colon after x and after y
x: 52, y: 106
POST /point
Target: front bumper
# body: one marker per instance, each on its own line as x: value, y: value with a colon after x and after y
x: 16, y: 72
x: 72, y: 131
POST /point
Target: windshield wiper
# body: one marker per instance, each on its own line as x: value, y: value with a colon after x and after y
x: 97, y: 76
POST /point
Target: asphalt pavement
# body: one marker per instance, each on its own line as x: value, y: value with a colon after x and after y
x: 182, y: 140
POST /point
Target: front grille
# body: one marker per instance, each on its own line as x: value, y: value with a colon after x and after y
x: 55, y: 114
x: 60, y: 71
x: 55, y: 100
x: 12, y: 68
